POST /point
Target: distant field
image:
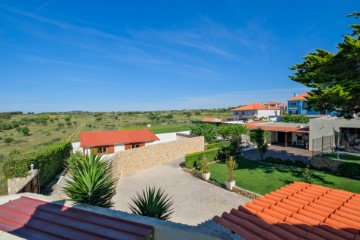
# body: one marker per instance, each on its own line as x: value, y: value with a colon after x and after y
x: 47, y: 128
x: 163, y: 128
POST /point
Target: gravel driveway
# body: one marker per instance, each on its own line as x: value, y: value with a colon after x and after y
x: 195, y: 200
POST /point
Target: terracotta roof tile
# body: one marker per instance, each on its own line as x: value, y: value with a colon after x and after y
x: 299, y: 211
x: 255, y: 106
x: 89, y: 139
x: 300, y: 96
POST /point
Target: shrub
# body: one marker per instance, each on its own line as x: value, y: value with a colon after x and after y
x: 152, y: 203
x: 194, y: 159
x: 25, y: 131
x: 204, y: 165
x: 91, y: 180
x: 286, y: 162
x: 49, y: 160
x: 348, y: 169
x: 306, y: 175
x: 295, y: 119
x: 231, y: 165
x: 8, y: 140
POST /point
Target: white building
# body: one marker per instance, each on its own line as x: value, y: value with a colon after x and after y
x: 255, y: 110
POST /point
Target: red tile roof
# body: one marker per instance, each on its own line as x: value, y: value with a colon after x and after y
x: 35, y: 219
x: 297, y: 211
x: 254, y: 106
x: 300, y: 96
x: 278, y: 128
x: 272, y: 103
x: 209, y: 119
x: 88, y: 139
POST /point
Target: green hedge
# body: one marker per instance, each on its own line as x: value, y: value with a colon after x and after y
x: 193, y: 159
x: 49, y: 160
x: 348, y: 169
x: 220, y: 145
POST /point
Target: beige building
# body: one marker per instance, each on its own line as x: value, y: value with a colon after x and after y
x: 335, y: 131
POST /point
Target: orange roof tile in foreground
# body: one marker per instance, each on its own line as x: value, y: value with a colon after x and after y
x: 88, y: 139
x: 300, y: 96
x: 297, y: 211
x: 254, y: 106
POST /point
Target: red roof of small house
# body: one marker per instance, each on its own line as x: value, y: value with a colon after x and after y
x: 272, y: 103
x: 255, y: 106
x: 297, y: 211
x: 209, y: 119
x: 300, y: 96
x: 88, y: 139
x: 31, y: 218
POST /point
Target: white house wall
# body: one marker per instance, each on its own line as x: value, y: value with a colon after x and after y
x: 267, y: 113
x: 119, y: 148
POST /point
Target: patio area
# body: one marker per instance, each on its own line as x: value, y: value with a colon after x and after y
x: 277, y: 151
x: 195, y: 201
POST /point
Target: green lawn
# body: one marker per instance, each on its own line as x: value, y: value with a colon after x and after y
x: 262, y: 178
x: 348, y: 157
x: 163, y: 128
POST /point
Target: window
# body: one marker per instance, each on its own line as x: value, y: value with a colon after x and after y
x: 304, y: 105
x: 135, y: 145
x: 293, y: 104
x: 102, y: 149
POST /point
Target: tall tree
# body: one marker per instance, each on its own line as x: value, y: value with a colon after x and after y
x: 333, y: 77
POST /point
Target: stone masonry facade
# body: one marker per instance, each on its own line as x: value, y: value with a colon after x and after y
x: 131, y: 161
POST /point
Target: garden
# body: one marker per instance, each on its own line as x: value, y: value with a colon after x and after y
x: 264, y: 178
x: 223, y: 163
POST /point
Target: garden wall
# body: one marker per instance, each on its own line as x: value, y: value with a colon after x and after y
x: 131, y: 161
x: 320, y: 162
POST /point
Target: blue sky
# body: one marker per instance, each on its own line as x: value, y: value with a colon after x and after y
x: 134, y: 55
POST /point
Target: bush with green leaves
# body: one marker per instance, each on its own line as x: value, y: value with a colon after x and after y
x: 259, y: 136
x: 194, y: 159
x: 295, y: 119
x: 204, y: 165
x: 349, y: 169
x: 306, y: 175
x: 25, y: 130
x: 231, y: 165
x: 8, y: 140
x: 209, y: 131
x: 91, y: 181
x: 50, y: 160
x: 152, y: 202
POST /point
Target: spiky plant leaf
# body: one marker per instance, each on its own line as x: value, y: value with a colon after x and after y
x: 152, y: 203
x: 91, y: 181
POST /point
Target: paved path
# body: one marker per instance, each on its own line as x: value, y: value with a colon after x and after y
x: 195, y: 200
x: 281, y: 152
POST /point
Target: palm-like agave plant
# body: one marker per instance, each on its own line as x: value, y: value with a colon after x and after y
x: 152, y: 203
x: 91, y: 181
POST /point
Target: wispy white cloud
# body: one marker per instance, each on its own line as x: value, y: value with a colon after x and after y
x: 43, y: 5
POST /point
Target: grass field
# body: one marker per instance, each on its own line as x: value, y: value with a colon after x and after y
x: 262, y: 178
x: 348, y: 157
x: 68, y: 126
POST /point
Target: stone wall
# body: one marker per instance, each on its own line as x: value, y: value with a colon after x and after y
x: 138, y: 159
x: 330, y: 165
x: 30, y: 183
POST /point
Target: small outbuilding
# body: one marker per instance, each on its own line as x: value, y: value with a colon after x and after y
x: 107, y: 142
